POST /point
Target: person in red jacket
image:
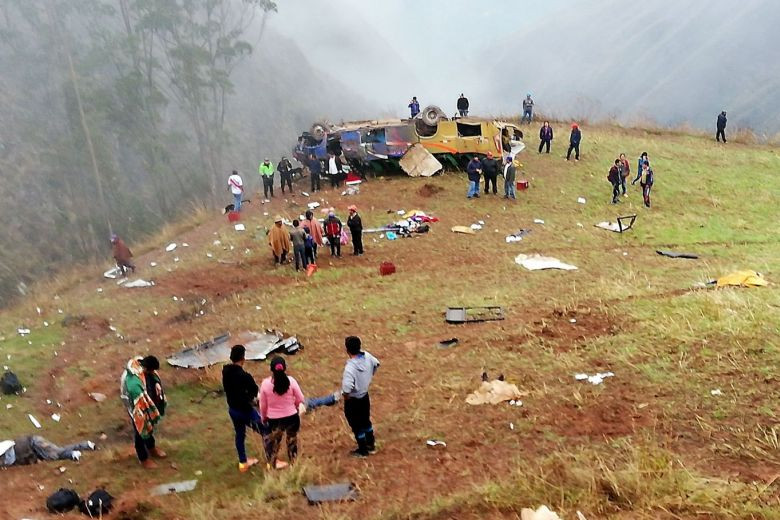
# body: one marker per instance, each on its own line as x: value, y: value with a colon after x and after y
x: 333, y: 234
x: 122, y: 255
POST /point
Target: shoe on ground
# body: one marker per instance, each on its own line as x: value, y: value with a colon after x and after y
x: 157, y: 453
x: 91, y: 445
x: 625, y: 194
x: 372, y: 451
x: 280, y: 464
x: 243, y: 467
x: 358, y: 453
x: 337, y: 395
x: 75, y: 455
x: 149, y: 464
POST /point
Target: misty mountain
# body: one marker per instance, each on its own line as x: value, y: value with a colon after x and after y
x: 668, y: 61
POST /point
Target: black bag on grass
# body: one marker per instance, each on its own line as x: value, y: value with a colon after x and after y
x: 62, y: 501
x: 9, y: 383
x: 99, y: 502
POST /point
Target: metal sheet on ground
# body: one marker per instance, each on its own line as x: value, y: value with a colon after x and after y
x: 217, y: 350
x: 419, y: 162
x: 473, y: 314
x: 330, y: 493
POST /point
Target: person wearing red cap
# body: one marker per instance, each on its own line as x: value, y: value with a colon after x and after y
x: 355, y: 225
x: 280, y: 396
x: 490, y: 172
x: 574, y: 142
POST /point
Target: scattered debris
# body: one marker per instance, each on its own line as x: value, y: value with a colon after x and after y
x: 516, y: 402
x: 313, y: 205
x: 581, y: 200
x: 433, y: 443
x: 113, y: 273
x: 623, y: 224
x: 517, y: 236
x: 538, y: 221
x: 97, y: 396
x: 23, y: 332
x: 62, y: 501
x: 474, y: 314
x: 138, y: 283
x: 537, y: 262
x: 351, y: 190
x: 217, y: 350
x: 173, y: 487
x: 595, y: 379
x: 330, y: 493
x: 56, y: 417
x: 495, y: 392
x: 419, y: 162
x: 463, y: 229
x: 170, y: 247
x: 674, y: 254
x: 543, y: 513
x: 448, y: 343
x: 10, y: 384
x: 741, y: 279
x: 98, y: 503
x: 716, y: 392
x: 34, y: 421
x: 239, y: 227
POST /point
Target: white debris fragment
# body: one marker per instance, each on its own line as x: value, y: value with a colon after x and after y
x: 572, y: 320
x: 135, y: 284
x: 240, y: 227
x: 153, y: 264
x: 257, y: 307
x: 313, y: 205
x: 595, y: 379
x: 209, y: 255
x: 55, y: 417
x: 511, y: 426
x: 176, y: 259
x: 34, y: 421
x: 45, y: 323
x: 9, y: 406
x: 38, y: 309
x: 304, y: 194
x: 625, y: 253
x: 476, y: 227
x: 185, y: 244
x: 538, y: 221
x: 717, y: 391
x: 97, y: 396
x: 433, y: 443
x: 100, y: 289
x: 23, y: 332
x: 579, y: 225
x: 170, y: 247
x: 216, y: 243
x: 581, y: 200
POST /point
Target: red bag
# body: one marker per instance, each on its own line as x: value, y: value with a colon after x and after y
x: 386, y: 268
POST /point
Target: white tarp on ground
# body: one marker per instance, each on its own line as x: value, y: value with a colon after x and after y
x: 113, y: 273
x: 538, y: 262
x: 609, y: 226
x: 137, y: 283
x: 419, y: 162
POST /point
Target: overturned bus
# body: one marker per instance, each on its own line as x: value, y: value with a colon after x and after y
x: 383, y: 144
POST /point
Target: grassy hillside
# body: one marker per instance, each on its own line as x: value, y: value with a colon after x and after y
x: 652, y: 442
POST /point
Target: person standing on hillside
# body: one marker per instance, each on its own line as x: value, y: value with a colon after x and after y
x: 474, y: 171
x: 509, y: 179
x: 614, y: 177
x: 285, y: 173
x: 545, y: 136
x: 574, y: 142
x: 355, y: 225
x: 648, y: 177
x: 236, y: 187
x: 279, y: 240
x: 333, y: 229
x: 241, y: 394
x: 358, y: 373
x: 490, y: 172
x: 122, y: 255
x: 315, y: 230
x: 625, y: 171
x: 528, y: 109
x: 463, y: 106
x: 280, y: 396
x: 642, y: 160
x: 144, y: 398
x: 298, y: 238
x: 266, y: 171
x: 414, y: 107
x: 315, y: 170
x: 335, y: 170
x: 721, y: 126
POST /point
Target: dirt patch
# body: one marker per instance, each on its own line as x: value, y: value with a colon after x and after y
x: 567, y: 328
x: 429, y: 190
x: 217, y: 282
x: 86, y: 328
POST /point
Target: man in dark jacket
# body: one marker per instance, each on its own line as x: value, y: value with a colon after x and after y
x: 721, y: 127
x: 574, y: 142
x: 545, y: 136
x: 285, y: 173
x: 315, y: 170
x: 490, y: 172
x: 474, y: 171
x: 355, y: 225
x: 463, y: 106
x: 614, y: 177
x: 241, y: 393
x: 509, y: 179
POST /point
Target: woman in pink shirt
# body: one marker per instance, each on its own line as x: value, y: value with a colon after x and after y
x: 280, y: 397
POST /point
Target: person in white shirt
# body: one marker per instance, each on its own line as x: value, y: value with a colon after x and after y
x: 236, y: 187
x: 335, y: 169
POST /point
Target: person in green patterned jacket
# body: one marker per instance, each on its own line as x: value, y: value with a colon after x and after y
x: 144, y: 398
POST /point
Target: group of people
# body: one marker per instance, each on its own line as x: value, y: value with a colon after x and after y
x: 462, y: 105
x: 621, y: 170
x: 307, y: 236
x: 488, y: 168
x: 546, y: 137
x: 273, y: 410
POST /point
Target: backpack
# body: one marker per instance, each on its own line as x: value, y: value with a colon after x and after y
x: 96, y: 504
x: 9, y: 383
x: 62, y: 501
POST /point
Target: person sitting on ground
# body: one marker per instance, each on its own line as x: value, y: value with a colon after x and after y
x: 358, y: 373
x: 122, y: 255
x: 509, y: 179
x: 646, y: 182
x: 315, y: 230
x: 144, y: 398
x: 474, y: 172
x: 625, y: 171
x: 545, y: 136
x: 279, y: 240
x: 284, y: 167
x: 614, y: 177
x: 33, y: 448
x: 355, y: 225
x: 236, y: 187
x: 463, y: 106
x: 490, y: 172
x: 574, y: 142
x: 298, y: 237
x: 333, y: 229
x: 241, y: 394
x: 280, y: 396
